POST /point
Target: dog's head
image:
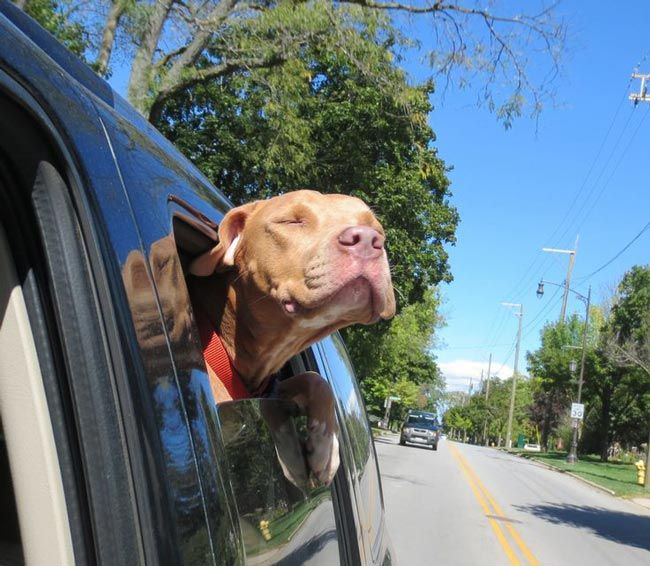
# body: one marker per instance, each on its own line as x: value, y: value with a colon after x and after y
x: 316, y: 261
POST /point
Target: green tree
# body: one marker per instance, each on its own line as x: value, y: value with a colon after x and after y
x: 387, y: 362
x: 487, y: 419
x: 318, y: 122
x: 173, y: 45
x: 624, y: 388
x: 550, y: 365
x: 57, y: 17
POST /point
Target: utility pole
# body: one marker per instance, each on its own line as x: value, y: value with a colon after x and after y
x: 572, y: 458
x: 487, y: 396
x: 567, y: 281
x: 642, y: 95
x: 513, y: 393
x: 487, y: 387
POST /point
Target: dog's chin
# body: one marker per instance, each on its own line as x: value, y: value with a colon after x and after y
x: 357, y: 301
x: 355, y: 297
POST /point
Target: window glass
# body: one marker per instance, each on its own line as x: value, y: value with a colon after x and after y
x: 356, y: 424
x: 424, y: 420
x: 285, y: 518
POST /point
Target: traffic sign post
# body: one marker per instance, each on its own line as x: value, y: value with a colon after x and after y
x: 387, y: 403
x: 577, y: 414
x: 577, y: 411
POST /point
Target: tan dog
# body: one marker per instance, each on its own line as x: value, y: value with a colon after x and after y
x: 295, y: 268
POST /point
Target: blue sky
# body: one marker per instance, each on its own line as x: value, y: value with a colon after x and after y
x: 514, y: 190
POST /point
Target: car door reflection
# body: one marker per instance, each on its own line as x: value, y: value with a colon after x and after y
x: 286, y: 517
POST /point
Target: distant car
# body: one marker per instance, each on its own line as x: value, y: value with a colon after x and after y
x: 532, y: 447
x: 420, y: 428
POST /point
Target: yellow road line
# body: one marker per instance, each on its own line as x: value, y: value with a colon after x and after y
x: 497, y: 510
x: 477, y: 493
x: 513, y: 532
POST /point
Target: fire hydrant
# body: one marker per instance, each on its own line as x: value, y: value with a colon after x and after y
x: 640, y: 472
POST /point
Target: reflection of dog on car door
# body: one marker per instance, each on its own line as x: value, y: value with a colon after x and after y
x: 287, y: 272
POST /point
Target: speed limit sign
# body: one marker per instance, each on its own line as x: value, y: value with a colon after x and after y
x: 577, y: 410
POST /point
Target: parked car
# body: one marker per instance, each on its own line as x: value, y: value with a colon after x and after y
x: 112, y: 449
x: 422, y: 428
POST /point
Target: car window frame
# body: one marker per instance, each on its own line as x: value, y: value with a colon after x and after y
x: 372, y: 548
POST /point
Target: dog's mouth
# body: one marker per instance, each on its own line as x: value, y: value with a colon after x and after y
x: 359, y: 295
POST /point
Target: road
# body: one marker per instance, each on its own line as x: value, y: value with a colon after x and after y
x: 469, y: 505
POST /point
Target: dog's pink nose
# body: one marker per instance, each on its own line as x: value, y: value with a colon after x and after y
x: 362, y: 241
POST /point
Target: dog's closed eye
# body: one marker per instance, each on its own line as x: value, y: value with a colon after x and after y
x: 292, y: 221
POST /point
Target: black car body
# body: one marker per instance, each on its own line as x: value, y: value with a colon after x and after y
x: 112, y: 448
x: 422, y: 428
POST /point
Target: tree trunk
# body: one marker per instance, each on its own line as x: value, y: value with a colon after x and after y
x: 22, y: 4
x: 140, y: 79
x: 605, y: 407
x: 108, y: 36
x: 546, y: 423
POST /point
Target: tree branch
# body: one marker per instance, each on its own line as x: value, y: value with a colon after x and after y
x: 118, y: 9
x: 139, y: 81
x: 196, y: 76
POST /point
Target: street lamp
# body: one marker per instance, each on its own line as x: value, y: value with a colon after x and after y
x: 573, y: 453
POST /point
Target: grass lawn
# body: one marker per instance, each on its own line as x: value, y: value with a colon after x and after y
x: 620, y: 477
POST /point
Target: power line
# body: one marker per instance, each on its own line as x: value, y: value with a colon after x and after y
x: 511, y: 351
x: 479, y: 347
x: 618, y: 163
x: 595, y: 160
x: 591, y: 192
x: 535, y: 267
x: 525, y: 279
x: 617, y: 255
x: 549, y: 307
x: 544, y: 309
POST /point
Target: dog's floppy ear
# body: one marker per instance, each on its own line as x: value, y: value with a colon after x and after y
x: 222, y: 256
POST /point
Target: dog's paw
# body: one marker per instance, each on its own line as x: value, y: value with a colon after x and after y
x: 315, y: 398
x: 322, y: 452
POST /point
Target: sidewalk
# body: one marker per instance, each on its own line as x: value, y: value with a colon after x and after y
x: 644, y: 501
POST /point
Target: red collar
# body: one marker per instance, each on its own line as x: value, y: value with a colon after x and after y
x: 217, y: 358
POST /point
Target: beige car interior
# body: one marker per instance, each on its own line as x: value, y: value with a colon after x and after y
x: 27, y: 437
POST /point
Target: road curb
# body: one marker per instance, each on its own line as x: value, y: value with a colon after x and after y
x: 576, y: 476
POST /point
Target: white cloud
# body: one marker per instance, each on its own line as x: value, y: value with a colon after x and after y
x: 458, y: 373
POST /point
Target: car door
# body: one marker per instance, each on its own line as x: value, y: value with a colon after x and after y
x: 358, y: 442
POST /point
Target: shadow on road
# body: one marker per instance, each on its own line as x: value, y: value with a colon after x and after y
x: 617, y: 526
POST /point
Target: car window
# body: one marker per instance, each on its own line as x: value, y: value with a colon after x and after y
x: 354, y: 416
x: 285, y: 518
x: 422, y: 420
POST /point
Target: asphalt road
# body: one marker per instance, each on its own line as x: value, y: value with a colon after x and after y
x: 469, y: 505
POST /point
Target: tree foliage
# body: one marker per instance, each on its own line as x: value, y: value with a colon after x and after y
x: 616, y: 379
x: 173, y: 45
x: 482, y: 420
x: 318, y: 122
x: 57, y: 17
x: 398, y: 362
